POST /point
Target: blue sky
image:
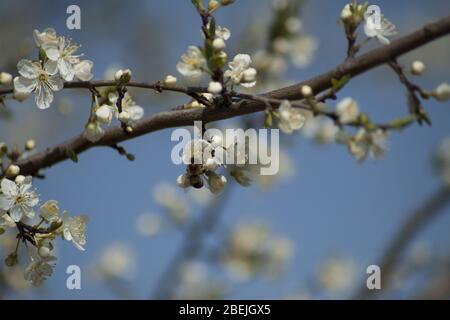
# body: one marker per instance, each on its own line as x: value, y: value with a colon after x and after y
x: 331, y: 206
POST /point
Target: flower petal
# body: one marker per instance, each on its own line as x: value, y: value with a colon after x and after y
x: 51, y: 67
x: 44, y: 96
x: 24, y: 85
x: 9, y: 187
x: 55, y: 83
x: 6, y: 202
x: 66, y: 70
x: 52, y: 51
x: 28, y: 69
x: 16, y: 213
x: 83, y: 70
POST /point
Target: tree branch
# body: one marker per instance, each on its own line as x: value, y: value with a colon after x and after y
x: 176, y: 118
x: 416, y: 222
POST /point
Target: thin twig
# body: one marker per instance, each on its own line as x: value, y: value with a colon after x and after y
x: 403, y: 237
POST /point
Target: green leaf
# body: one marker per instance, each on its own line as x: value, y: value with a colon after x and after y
x: 401, y: 123
x: 268, y: 119
x: 338, y: 84
x: 71, y: 155
x: 212, y: 27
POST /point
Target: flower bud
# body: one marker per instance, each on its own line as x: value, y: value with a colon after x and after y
x: 249, y: 75
x: 123, y: 75
x: 307, y: 91
x: 124, y: 117
x: 442, y: 93
x: 3, y: 148
x: 5, y: 78
x: 219, y: 44
x: 12, y: 171
x: 213, y: 5
x: 170, y: 80
x: 346, y: 13
x: 417, y: 68
x: 129, y: 129
x: 11, y: 260
x: 44, y: 251
x: 30, y: 144
x: 215, y: 87
x: 19, y: 179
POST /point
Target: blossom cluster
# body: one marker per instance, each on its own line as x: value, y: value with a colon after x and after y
x: 58, y: 62
x: 253, y: 249
x: 378, y: 27
x: 18, y: 200
x: 112, y: 104
x: 202, y: 162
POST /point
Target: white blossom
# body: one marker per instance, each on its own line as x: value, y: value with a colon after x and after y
x: 63, y: 53
x: 252, y: 248
x: 293, y: 24
x: 105, y: 113
x: 93, y: 131
x: 19, y: 200
x: 48, y: 36
x: 117, y: 261
x: 39, y: 269
x: 135, y: 111
x: 381, y: 32
x: 83, y: 70
x: 167, y: 196
x: 74, y: 230
x: 290, y: 118
x: 148, y: 225
x: 223, y: 33
x: 49, y: 211
x: 347, y: 110
x: 197, y: 152
x: 364, y: 143
x: 240, y: 64
x: 336, y: 274
x: 41, y: 80
x: 192, y: 63
x: 302, y: 50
